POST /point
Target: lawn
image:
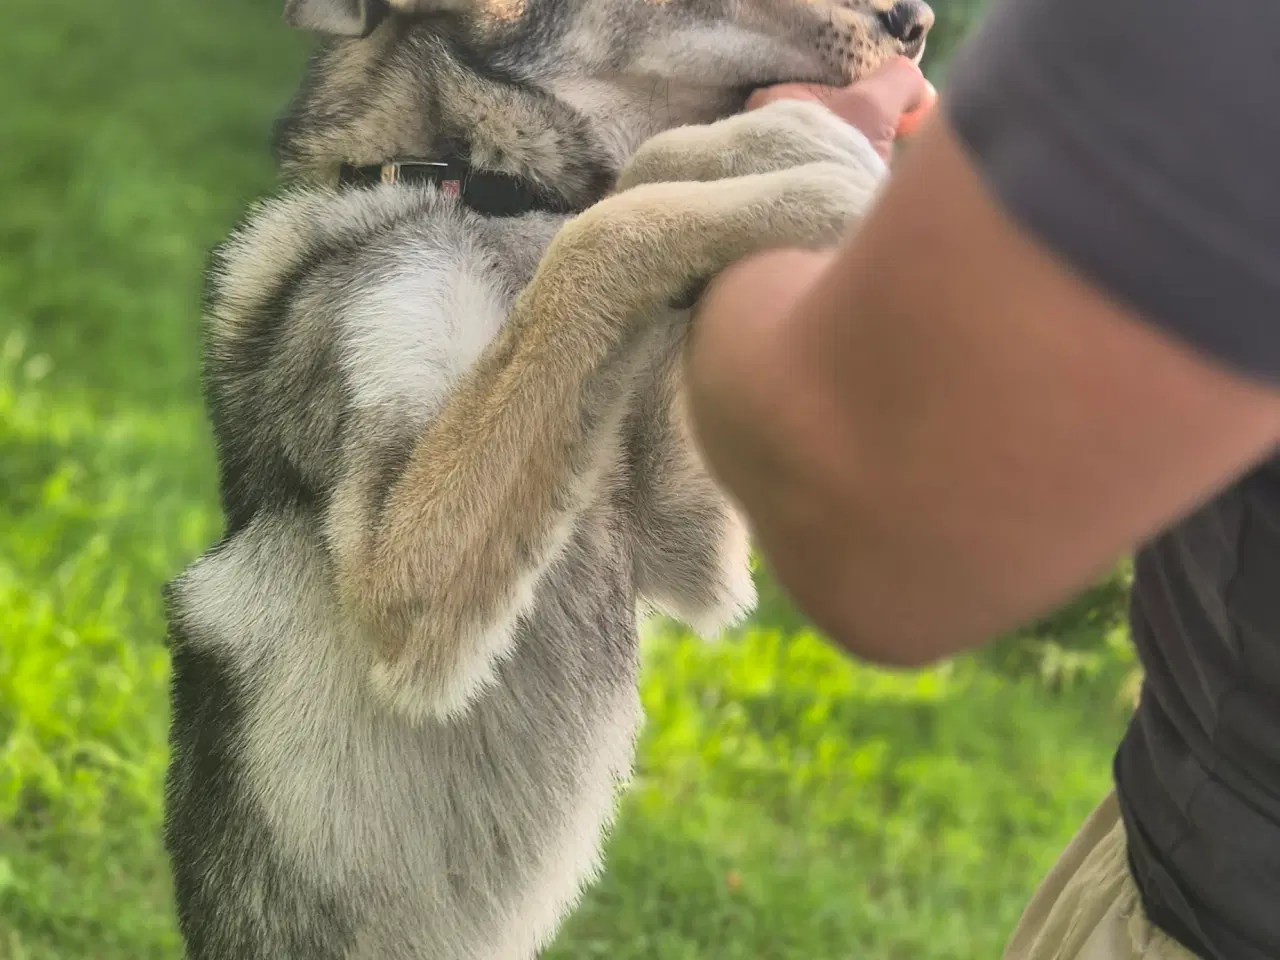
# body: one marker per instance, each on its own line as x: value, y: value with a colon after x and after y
x: 788, y: 803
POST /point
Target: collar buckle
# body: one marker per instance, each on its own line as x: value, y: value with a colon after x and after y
x: 391, y: 172
x: 486, y: 192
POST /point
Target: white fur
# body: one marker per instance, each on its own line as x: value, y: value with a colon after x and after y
x: 357, y: 795
x: 409, y: 337
x: 720, y: 50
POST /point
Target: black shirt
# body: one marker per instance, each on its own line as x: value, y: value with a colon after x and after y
x: 1140, y: 140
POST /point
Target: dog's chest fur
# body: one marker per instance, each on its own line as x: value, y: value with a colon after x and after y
x: 455, y: 839
x: 421, y: 839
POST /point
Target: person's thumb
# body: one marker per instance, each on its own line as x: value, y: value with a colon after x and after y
x: 896, y: 87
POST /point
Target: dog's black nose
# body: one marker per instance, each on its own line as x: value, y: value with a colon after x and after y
x: 908, y: 20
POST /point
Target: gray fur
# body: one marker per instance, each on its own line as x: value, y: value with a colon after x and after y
x: 454, y: 463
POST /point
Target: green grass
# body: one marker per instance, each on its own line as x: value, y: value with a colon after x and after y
x: 789, y: 803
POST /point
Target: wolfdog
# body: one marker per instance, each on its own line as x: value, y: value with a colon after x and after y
x: 442, y: 367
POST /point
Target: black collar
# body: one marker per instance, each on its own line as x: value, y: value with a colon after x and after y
x: 485, y: 192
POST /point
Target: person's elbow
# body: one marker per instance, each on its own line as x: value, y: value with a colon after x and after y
x: 863, y: 595
x: 885, y: 644
x: 883, y: 641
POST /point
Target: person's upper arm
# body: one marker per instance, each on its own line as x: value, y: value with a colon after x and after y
x: 1140, y: 141
x: 1058, y: 330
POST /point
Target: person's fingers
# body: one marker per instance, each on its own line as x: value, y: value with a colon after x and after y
x: 910, y: 121
x: 875, y: 105
x: 897, y: 87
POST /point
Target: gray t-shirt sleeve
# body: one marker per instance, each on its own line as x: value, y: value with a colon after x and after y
x: 1140, y: 140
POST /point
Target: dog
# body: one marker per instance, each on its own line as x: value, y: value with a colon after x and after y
x: 442, y: 370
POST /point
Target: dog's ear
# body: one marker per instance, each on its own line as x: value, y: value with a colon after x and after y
x: 358, y: 18
x: 339, y: 18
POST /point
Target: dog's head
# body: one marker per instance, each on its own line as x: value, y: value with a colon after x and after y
x: 396, y: 77
x: 711, y: 43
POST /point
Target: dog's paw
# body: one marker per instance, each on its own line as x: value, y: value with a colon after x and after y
x: 782, y: 135
x: 654, y: 246
x: 811, y: 206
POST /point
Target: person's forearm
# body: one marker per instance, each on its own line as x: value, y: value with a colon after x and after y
x: 763, y: 421
x: 939, y: 431
x: 829, y: 474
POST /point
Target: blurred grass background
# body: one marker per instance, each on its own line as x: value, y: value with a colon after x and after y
x: 789, y: 803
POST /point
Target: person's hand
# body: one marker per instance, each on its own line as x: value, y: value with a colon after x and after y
x: 885, y: 105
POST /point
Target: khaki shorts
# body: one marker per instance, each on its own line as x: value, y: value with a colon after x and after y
x: 1088, y: 908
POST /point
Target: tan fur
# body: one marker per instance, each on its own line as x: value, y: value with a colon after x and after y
x: 509, y: 128
x: 503, y: 10
x: 349, y: 67
x: 479, y: 489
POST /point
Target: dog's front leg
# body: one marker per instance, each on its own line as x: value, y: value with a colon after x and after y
x: 692, y: 552
x: 691, y: 548
x: 440, y: 570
